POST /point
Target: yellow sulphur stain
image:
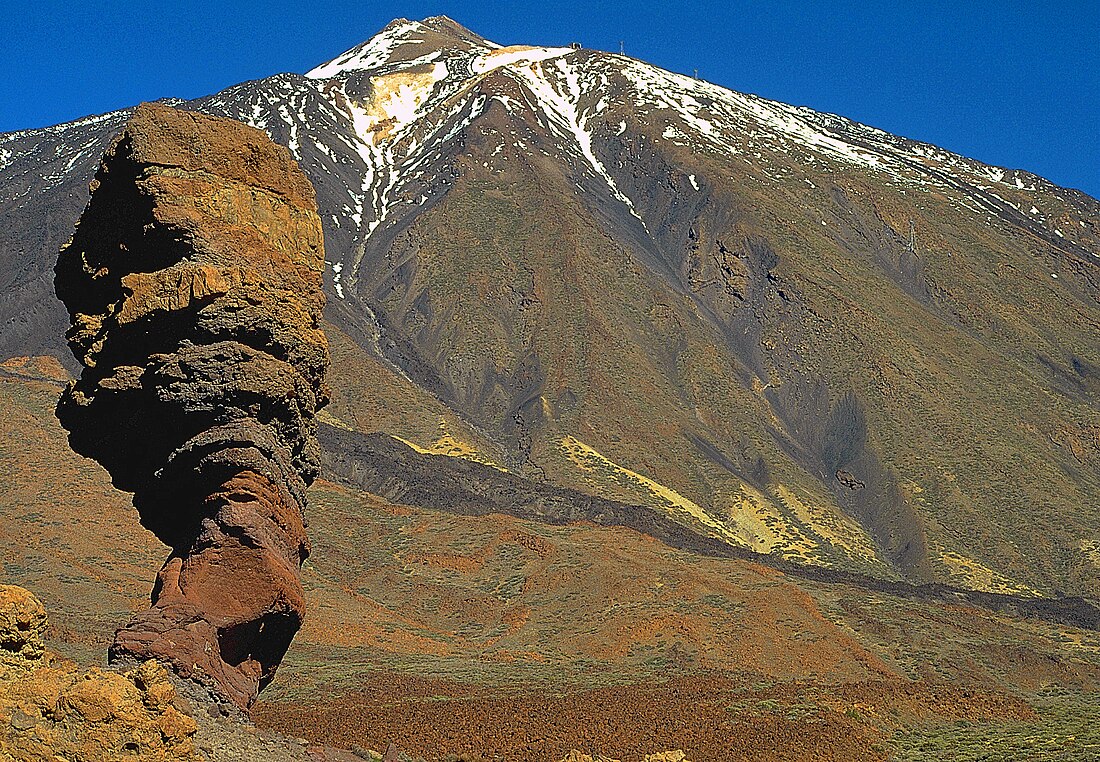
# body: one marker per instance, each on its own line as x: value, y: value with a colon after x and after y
x: 828, y: 523
x: 450, y: 445
x: 676, y: 505
x: 978, y: 576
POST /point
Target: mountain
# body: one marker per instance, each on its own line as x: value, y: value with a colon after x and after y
x: 779, y: 328
x: 765, y: 392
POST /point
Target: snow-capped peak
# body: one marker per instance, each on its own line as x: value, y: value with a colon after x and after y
x: 401, y: 103
x: 420, y: 37
x: 371, y: 54
x: 423, y: 91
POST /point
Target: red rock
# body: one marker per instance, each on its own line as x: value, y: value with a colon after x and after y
x: 193, y: 282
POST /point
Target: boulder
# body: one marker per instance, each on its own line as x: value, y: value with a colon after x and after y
x: 22, y: 625
x: 52, y: 709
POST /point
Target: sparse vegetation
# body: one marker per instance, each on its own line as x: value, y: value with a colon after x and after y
x: 1067, y: 730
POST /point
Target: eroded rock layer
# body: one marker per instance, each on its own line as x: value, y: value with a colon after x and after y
x: 193, y: 283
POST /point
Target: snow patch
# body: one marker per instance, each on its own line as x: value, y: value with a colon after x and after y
x: 337, y: 268
x: 371, y: 54
x: 516, y: 54
x: 292, y: 126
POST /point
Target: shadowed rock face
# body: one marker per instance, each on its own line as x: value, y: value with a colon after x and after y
x: 193, y: 283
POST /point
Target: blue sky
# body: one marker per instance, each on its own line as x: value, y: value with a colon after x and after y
x: 1011, y: 83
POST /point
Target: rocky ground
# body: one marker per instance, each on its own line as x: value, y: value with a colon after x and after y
x: 53, y: 708
x: 56, y: 709
x: 711, y: 718
x: 483, y: 613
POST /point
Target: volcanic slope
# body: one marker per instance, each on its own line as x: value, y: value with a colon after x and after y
x: 778, y: 328
x: 493, y: 637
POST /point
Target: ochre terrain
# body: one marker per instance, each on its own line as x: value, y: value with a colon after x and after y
x: 442, y: 623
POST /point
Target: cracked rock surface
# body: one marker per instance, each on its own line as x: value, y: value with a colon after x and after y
x: 193, y: 283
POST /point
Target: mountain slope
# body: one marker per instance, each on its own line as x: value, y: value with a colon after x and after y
x: 422, y: 624
x: 781, y: 329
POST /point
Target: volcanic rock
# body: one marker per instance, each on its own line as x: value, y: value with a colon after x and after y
x: 52, y: 709
x: 193, y: 286
x: 22, y: 625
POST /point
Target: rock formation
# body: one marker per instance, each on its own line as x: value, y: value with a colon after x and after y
x: 193, y: 283
x: 22, y: 625
x: 52, y: 709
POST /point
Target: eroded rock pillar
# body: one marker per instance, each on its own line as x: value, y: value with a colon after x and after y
x: 193, y: 281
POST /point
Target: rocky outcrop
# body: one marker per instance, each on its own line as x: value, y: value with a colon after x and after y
x: 52, y: 709
x: 193, y: 286
x: 22, y: 625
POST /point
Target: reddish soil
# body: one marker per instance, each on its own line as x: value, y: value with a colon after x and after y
x: 711, y: 718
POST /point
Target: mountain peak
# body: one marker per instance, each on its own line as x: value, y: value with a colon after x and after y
x: 403, y: 41
x: 447, y: 25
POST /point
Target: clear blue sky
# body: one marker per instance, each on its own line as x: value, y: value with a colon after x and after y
x: 1011, y: 83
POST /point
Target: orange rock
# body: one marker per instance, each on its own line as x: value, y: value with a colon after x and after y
x: 56, y: 710
x: 22, y: 624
